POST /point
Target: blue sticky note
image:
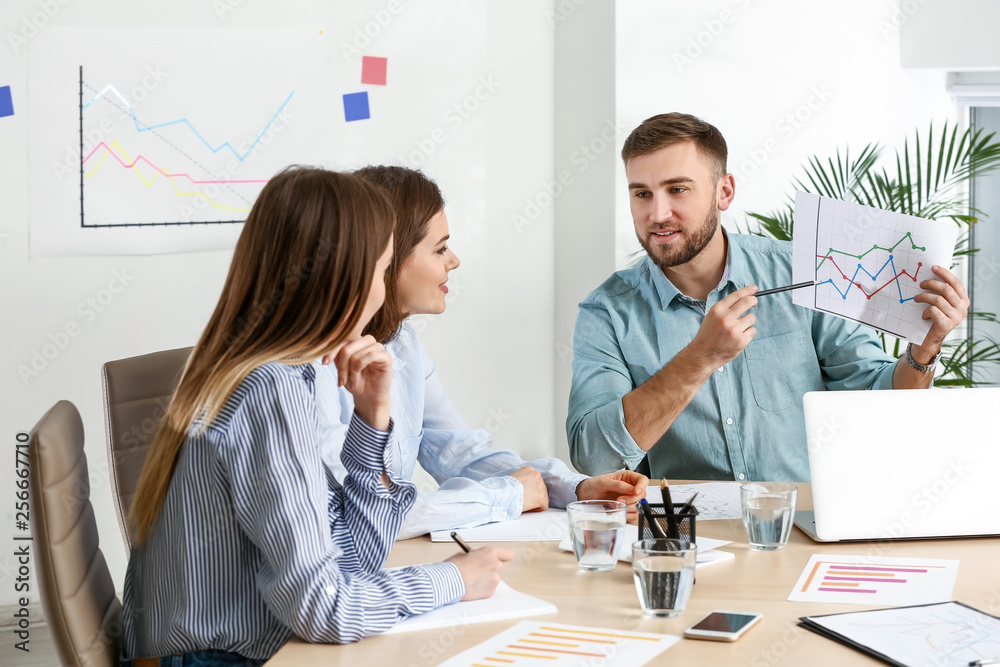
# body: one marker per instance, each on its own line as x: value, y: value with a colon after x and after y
x: 7, y: 104
x: 356, y: 106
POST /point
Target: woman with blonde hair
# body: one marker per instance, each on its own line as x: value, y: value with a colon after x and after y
x: 478, y: 484
x: 242, y: 537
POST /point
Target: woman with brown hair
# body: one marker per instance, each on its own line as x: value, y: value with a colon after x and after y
x: 242, y: 537
x: 478, y: 484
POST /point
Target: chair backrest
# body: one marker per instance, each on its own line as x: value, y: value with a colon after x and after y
x: 137, y: 391
x: 78, y: 595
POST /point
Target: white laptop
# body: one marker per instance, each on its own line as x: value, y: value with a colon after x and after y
x: 903, y: 464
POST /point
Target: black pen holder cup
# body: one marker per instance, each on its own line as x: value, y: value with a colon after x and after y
x: 683, y: 521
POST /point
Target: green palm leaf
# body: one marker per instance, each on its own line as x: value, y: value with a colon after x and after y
x: 929, y: 179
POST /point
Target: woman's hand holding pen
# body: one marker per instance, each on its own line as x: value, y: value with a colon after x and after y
x: 364, y: 367
x: 480, y: 570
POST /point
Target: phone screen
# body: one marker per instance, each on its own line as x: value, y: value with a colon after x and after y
x: 720, y: 622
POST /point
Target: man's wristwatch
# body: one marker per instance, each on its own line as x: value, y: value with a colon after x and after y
x: 923, y: 368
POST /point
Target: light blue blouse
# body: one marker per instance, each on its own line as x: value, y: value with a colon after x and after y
x: 475, y: 486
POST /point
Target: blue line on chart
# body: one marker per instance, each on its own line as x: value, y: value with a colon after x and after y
x: 185, y: 121
x: 895, y: 279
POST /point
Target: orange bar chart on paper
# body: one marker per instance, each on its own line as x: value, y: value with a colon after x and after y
x: 875, y: 580
x: 551, y: 644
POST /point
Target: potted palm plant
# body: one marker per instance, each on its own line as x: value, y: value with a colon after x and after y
x: 929, y: 178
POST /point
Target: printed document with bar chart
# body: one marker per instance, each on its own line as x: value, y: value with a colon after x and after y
x: 558, y: 644
x: 869, y: 262
x: 875, y: 580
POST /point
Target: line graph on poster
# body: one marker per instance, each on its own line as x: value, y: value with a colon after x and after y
x: 217, y: 196
x: 167, y: 149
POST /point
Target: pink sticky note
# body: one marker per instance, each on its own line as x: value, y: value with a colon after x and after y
x: 373, y: 70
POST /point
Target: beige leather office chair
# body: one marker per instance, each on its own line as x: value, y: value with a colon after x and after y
x: 77, y: 592
x: 137, y: 391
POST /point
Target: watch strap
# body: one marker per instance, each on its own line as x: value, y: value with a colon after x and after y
x: 923, y: 368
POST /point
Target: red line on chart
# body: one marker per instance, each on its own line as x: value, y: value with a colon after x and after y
x: 884, y: 285
x: 164, y: 173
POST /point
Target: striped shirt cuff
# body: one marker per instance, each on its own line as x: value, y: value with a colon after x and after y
x: 367, y: 446
x: 446, y: 582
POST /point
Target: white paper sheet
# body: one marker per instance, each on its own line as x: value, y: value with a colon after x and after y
x: 505, y: 603
x: 869, y: 263
x: 875, y: 580
x: 550, y: 525
x: 716, y: 500
x: 561, y: 645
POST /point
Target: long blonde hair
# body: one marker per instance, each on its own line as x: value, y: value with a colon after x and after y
x: 297, y: 285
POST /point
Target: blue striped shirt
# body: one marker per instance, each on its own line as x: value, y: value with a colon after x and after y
x: 256, y: 542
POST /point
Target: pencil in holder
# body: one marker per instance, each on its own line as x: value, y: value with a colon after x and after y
x: 681, y: 527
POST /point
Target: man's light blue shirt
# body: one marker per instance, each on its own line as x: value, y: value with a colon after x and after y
x: 746, y: 422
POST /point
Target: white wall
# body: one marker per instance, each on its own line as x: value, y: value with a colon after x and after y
x: 782, y: 80
x: 581, y: 186
x: 496, y: 333
x: 498, y: 343
x: 953, y: 34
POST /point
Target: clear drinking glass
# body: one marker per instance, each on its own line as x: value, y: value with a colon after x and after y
x: 596, y: 528
x: 768, y: 513
x: 663, y: 572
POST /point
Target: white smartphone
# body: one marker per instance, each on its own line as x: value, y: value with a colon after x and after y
x: 723, y: 625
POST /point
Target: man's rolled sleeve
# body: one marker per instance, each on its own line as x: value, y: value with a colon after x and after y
x: 598, y: 440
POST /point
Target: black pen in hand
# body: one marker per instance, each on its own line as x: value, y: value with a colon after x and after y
x: 465, y: 547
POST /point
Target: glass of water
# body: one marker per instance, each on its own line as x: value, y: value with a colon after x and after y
x: 768, y: 513
x: 596, y: 528
x: 663, y: 572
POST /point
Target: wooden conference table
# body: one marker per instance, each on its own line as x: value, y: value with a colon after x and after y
x: 754, y: 581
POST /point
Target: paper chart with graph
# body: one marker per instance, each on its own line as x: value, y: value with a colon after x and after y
x: 875, y: 580
x: 160, y: 139
x: 558, y: 644
x: 869, y: 262
x: 943, y: 634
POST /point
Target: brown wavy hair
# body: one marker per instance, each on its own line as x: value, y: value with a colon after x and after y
x: 667, y: 129
x: 416, y: 199
x: 297, y: 286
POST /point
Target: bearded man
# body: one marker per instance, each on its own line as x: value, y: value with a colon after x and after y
x: 676, y: 365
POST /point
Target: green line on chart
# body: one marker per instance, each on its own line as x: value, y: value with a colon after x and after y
x: 874, y: 247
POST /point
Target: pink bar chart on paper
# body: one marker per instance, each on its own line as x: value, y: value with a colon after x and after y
x: 875, y: 580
